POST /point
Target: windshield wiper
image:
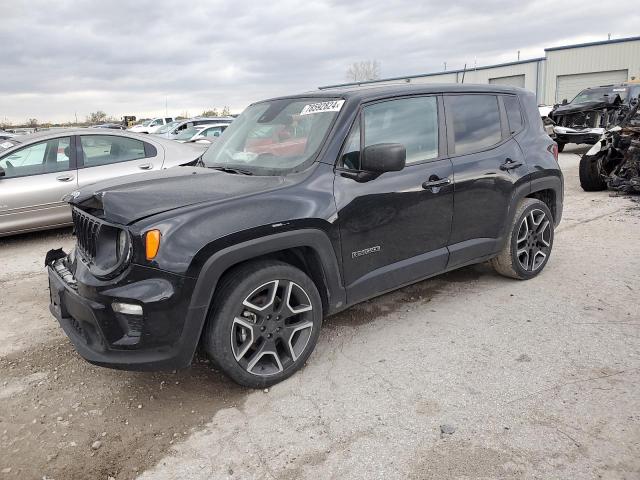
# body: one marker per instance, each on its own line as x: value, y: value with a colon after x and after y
x: 237, y: 171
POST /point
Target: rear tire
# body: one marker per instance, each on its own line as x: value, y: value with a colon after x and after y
x: 264, y: 324
x: 528, y: 247
x: 590, y: 178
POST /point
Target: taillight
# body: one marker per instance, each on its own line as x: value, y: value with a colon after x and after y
x: 553, y: 150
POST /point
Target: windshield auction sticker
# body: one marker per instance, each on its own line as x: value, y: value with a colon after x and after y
x: 321, y: 107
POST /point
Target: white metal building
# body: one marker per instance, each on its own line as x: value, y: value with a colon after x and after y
x: 562, y: 73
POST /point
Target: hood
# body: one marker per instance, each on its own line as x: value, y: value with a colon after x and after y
x: 127, y: 199
x: 582, y: 107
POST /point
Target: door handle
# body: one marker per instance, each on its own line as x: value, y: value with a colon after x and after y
x: 64, y: 178
x: 510, y: 165
x: 145, y: 166
x: 435, y: 182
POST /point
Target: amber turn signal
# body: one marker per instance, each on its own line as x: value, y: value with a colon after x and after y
x: 152, y: 243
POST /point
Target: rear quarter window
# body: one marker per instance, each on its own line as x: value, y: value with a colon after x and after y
x: 475, y: 120
x: 514, y: 113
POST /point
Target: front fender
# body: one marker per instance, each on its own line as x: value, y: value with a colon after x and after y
x: 222, y: 260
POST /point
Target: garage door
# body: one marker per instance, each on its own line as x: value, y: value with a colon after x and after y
x: 568, y: 86
x: 513, y: 81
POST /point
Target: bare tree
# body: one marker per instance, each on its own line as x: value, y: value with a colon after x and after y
x: 210, y: 113
x: 32, y: 122
x: 363, y: 71
x: 96, y: 117
x: 225, y: 112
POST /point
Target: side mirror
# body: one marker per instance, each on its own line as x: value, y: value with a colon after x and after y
x: 384, y: 157
x: 564, y: 101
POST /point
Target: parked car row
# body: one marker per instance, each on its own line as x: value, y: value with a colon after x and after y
x: 168, y: 127
x: 185, y: 130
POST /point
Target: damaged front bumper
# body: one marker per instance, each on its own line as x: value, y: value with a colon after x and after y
x: 617, y: 153
x: 572, y: 135
x: 139, y: 321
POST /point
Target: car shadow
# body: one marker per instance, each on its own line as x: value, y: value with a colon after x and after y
x: 409, y: 297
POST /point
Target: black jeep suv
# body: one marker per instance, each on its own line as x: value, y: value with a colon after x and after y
x: 306, y: 205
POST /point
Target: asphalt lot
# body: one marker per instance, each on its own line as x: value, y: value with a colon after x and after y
x: 537, y: 379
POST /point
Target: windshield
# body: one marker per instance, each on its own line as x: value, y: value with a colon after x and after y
x: 271, y: 138
x: 187, y: 133
x: 167, y: 127
x: 598, y: 94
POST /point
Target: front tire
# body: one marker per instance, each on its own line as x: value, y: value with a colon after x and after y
x: 527, y: 250
x: 590, y: 178
x: 264, y: 324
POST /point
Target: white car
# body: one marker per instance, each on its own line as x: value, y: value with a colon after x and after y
x: 207, y: 133
x: 5, y: 135
x: 151, y: 126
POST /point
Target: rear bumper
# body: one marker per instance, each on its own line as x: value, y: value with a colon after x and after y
x: 571, y: 135
x: 164, y: 337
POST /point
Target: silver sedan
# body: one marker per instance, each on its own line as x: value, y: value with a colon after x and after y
x: 38, y: 170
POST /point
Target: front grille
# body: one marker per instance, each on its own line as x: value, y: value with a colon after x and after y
x: 87, y: 229
x: 587, y: 119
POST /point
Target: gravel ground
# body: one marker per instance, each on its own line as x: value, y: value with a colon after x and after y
x: 467, y: 375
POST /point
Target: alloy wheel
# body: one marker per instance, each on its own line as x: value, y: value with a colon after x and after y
x: 272, y: 328
x: 534, y: 240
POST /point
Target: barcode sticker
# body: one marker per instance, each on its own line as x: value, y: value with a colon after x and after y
x: 321, y: 107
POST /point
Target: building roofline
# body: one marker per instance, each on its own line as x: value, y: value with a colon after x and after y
x: 420, y: 75
x: 591, y: 44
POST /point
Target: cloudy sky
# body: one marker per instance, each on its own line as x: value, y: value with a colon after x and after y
x: 62, y: 58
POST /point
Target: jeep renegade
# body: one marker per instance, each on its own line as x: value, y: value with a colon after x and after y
x: 305, y: 206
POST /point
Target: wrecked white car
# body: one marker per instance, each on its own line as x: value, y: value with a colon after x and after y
x: 614, y: 161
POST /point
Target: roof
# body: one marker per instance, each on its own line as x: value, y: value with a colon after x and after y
x: 369, y: 92
x: 62, y: 132
x: 592, y: 44
x: 432, y: 74
x: 59, y: 132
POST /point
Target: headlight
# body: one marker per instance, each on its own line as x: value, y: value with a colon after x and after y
x: 122, y: 248
x: 113, y: 251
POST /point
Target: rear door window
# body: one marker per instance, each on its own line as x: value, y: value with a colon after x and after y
x: 44, y: 157
x: 106, y: 149
x: 475, y: 120
x: 213, y: 132
x: 514, y: 114
x: 412, y: 122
